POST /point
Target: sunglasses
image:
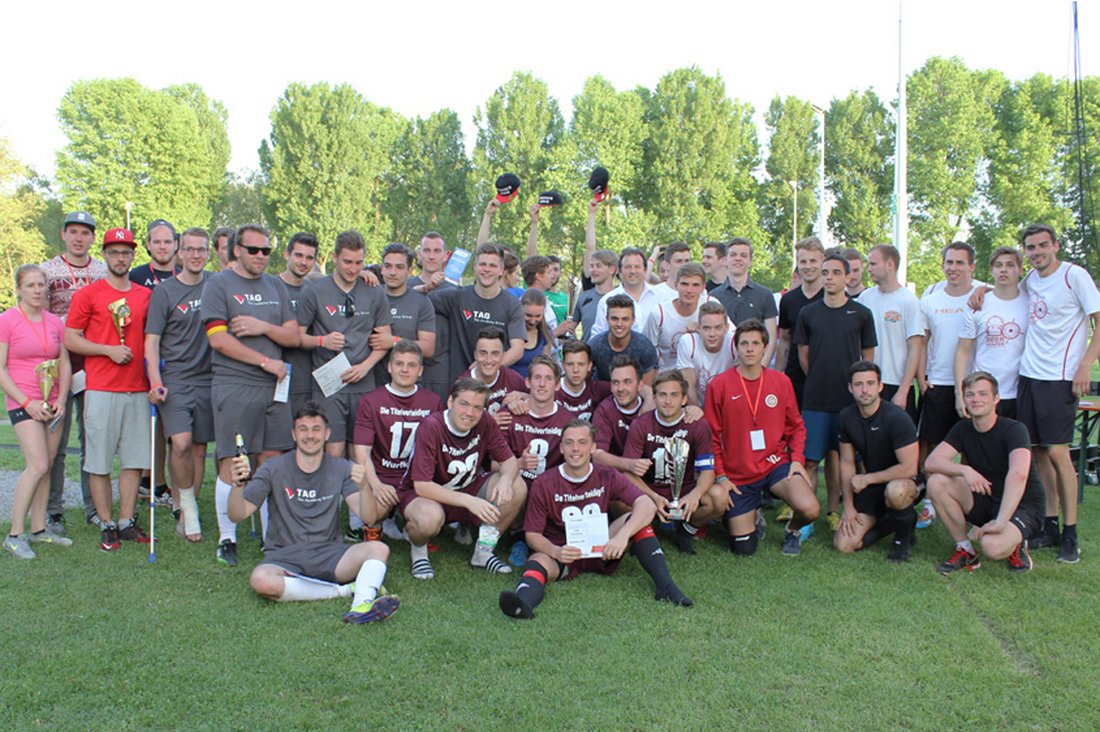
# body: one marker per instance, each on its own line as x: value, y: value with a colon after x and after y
x: 266, y: 251
x: 349, y: 305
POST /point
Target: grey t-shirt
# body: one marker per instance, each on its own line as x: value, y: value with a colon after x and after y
x: 228, y: 295
x: 639, y: 347
x: 302, y: 507
x: 175, y: 314
x: 585, y: 311
x: 325, y: 308
x: 751, y: 301
x: 411, y: 312
x: 468, y: 313
x: 437, y: 369
x: 300, y: 360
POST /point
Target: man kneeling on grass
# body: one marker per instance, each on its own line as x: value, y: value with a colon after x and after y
x: 306, y: 558
x: 564, y: 504
x: 995, y: 490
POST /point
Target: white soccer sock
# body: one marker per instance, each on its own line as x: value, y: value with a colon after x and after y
x: 966, y: 546
x: 189, y: 510
x: 419, y: 552
x: 226, y: 528
x: 368, y: 581
x: 297, y: 589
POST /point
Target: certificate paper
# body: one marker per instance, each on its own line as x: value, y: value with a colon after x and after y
x: 587, y: 532
x: 328, y: 375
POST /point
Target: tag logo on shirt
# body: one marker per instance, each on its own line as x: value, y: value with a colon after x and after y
x: 331, y: 309
x: 239, y: 299
x: 289, y: 492
x: 182, y: 307
x: 468, y: 314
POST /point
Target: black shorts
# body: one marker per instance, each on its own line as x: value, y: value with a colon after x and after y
x: 752, y: 494
x: 871, y: 500
x: 17, y: 415
x: 315, y: 559
x: 912, y: 407
x: 1028, y: 517
x: 1048, y: 409
x: 594, y: 565
x: 1006, y: 408
x: 937, y: 414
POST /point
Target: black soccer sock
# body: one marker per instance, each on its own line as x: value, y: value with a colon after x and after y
x: 905, y: 523
x: 652, y: 558
x: 161, y: 490
x: 883, y: 527
x: 531, y: 587
x: 1070, y: 531
x: 145, y: 482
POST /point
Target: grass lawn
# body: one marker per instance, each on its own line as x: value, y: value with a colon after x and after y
x: 822, y: 641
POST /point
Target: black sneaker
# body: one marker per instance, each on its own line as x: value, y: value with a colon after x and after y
x: 1019, y: 560
x: 1068, y: 551
x: 961, y: 559
x: 1049, y: 536
x: 227, y: 553
x: 899, y: 551
x: 761, y: 526
x: 133, y: 533
x: 792, y: 544
x: 109, y: 540
x: 512, y: 606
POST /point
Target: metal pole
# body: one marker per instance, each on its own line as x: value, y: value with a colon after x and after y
x: 822, y: 213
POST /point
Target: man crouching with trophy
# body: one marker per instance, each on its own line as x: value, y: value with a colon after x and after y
x: 681, y: 478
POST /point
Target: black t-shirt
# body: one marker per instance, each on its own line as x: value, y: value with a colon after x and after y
x: 836, y: 337
x: 148, y: 277
x: 878, y: 437
x: 987, y: 453
x: 790, y: 305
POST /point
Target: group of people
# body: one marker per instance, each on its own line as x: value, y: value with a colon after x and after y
x: 684, y: 396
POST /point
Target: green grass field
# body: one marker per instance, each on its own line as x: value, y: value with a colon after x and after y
x: 822, y: 641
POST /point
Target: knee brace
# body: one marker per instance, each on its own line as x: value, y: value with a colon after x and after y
x: 745, y: 544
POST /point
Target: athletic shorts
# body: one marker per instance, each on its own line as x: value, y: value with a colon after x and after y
x: 595, y: 565
x: 752, y: 494
x: 1007, y: 408
x: 250, y: 411
x: 871, y: 500
x: 1048, y: 409
x: 479, y: 487
x: 298, y: 400
x: 821, y: 434
x: 116, y: 423
x: 340, y: 408
x: 188, y: 409
x: 937, y: 414
x: 912, y: 406
x: 315, y: 559
x: 1028, y: 518
x: 17, y: 415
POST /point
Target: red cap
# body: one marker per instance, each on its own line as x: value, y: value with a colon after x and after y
x: 119, y: 236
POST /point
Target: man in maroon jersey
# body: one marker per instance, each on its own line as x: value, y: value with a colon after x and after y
x: 614, y: 416
x: 574, y: 490
x: 579, y: 393
x: 758, y: 443
x: 385, y: 432
x: 700, y: 499
x: 445, y: 481
x: 535, y: 435
x: 488, y: 368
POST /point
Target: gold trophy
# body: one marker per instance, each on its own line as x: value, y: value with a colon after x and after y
x: 677, y: 451
x: 120, y: 314
x: 47, y: 377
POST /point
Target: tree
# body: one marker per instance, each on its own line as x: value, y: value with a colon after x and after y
x: 859, y: 145
x: 324, y: 164
x: 130, y: 143
x: 19, y: 211
x: 1079, y: 168
x: 212, y: 119
x: 793, y: 157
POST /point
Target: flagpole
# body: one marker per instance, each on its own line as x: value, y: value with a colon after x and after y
x: 901, y: 183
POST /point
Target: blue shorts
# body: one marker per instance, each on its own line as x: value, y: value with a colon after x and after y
x: 821, y: 434
x: 752, y: 494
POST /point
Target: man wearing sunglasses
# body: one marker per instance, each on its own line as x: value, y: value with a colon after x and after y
x: 339, y: 314
x: 249, y: 322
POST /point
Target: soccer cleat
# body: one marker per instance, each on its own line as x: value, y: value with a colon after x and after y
x: 792, y: 544
x: 784, y: 514
x: 353, y: 536
x: 761, y: 526
x: 55, y: 522
x: 109, y: 539
x: 927, y: 515
x: 512, y: 606
x: 961, y: 559
x: 372, y: 533
x: 376, y: 611
x: 1045, y: 539
x: 492, y: 566
x: 683, y: 539
x: 832, y: 518
x: 806, y: 532
x: 18, y: 547
x: 163, y: 497
x: 227, y: 552
x: 132, y: 533
x: 899, y: 552
x: 1019, y: 560
x: 1068, y: 551
x: 49, y: 537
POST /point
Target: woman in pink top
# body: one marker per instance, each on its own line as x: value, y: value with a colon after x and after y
x: 30, y: 338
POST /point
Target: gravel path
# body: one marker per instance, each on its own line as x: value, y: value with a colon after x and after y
x: 7, y: 493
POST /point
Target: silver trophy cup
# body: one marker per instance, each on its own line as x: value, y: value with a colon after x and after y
x: 676, y: 452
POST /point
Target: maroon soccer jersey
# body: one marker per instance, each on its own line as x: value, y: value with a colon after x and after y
x: 612, y: 424
x: 583, y: 405
x: 507, y: 381
x: 554, y: 496
x: 451, y: 459
x: 388, y: 422
x: 647, y: 439
x: 542, y: 435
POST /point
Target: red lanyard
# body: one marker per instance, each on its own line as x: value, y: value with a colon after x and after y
x: 43, y: 339
x: 72, y: 272
x: 753, y: 405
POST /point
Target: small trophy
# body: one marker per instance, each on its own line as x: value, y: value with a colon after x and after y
x: 47, y: 377
x: 120, y: 314
x: 676, y: 452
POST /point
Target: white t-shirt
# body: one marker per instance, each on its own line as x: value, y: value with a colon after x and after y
x: 692, y: 354
x: 642, y: 307
x: 664, y: 325
x: 943, y: 316
x: 897, y: 318
x: 1059, y: 332
x: 998, y: 334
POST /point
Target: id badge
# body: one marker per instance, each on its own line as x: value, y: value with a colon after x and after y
x: 756, y: 439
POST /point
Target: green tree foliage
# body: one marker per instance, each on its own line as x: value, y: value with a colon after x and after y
x: 428, y: 182
x: 157, y: 149
x: 19, y: 212
x: 793, y: 156
x: 1077, y: 161
x: 859, y: 171
x: 324, y: 164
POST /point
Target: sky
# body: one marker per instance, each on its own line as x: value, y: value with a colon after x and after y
x: 417, y: 57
